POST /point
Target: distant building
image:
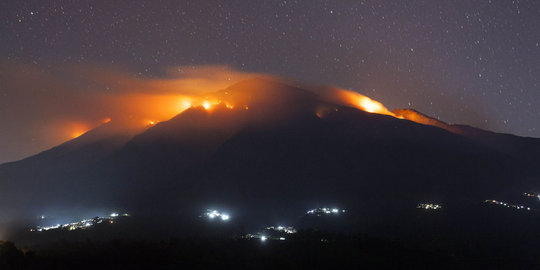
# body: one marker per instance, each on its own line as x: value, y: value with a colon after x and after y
x: 429, y: 206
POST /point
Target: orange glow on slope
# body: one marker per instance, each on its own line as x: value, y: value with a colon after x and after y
x: 144, y: 102
x: 364, y: 103
x: 136, y: 99
x: 185, y: 104
x: 146, y: 108
x: 75, y: 130
x: 361, y: 102
x: 371, y: 106
x: 206, y: 105
x: 77, y: 133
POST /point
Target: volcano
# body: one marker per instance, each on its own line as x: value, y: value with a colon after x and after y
x: 272, y: 146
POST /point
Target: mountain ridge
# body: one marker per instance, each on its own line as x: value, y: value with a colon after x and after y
x: 273, y: 153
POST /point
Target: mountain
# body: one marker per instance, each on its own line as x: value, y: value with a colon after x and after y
x: 526, y: 149
x: 52, y: 171
x: 267, y: 148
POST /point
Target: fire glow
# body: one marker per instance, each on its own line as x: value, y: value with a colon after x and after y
x: 75, y: 130
x: 361, y: 102
x: 160, y: 100
x: 130, y: 101
x: 153, y: 109
x: 163, y: 107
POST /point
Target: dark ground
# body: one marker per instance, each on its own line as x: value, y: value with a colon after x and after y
x: 487, y: 237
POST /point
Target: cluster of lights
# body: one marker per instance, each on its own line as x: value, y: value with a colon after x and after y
x: 264, y: 237
x: 279, y: 232
x: 325, y: 211
x: 261, y: 237
x: 83, y: 224
x: 509, y: 205
x: 536, y: 195
x: 429, y: 206
x: 283, y: 229
x: 272, y: 233
x: 207, y: 104
x: 214, y: 214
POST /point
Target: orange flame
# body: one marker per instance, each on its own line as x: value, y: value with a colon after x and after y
x: 185, y: 104
x: 146, y: 109
x: 365, y: 103
x: 206, y: 105
x: 77, y: 133
x: 360, y: 101
x: 77, y: 129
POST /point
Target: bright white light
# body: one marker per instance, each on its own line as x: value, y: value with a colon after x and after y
x: 114, y: 214
x: 263, y: 238
x: 206, y: 105
x: 212, y: 214
x: 324, y: 211
x: 282, y: 238
x: 88, y: 224
x: 429, y: 206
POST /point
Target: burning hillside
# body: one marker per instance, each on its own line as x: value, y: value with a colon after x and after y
x: 140, y: 102
x: 262, y: 97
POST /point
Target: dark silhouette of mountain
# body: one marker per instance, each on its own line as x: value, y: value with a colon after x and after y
x: 280, y: 149
x: 519, y: 147
x: 54, y: 171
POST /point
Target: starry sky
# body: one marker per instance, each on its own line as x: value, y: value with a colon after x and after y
x: 468, y: 62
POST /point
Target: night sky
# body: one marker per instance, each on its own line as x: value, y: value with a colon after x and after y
x: 467, y: 62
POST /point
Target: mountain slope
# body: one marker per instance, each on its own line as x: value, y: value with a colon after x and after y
x: 30, y: 181
x: 271, y: 146
x: 518, y: 147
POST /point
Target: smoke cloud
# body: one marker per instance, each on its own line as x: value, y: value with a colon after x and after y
x: 41, y: 108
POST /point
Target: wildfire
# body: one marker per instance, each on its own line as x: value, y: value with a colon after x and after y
x: 144, y: 110
x: 185, y: 104
x: 77, y: 129
x: 371, y: 106
x: 361, y: 102
x: 77, y: 133
x: 366, y: 104
x: 207, y: 105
